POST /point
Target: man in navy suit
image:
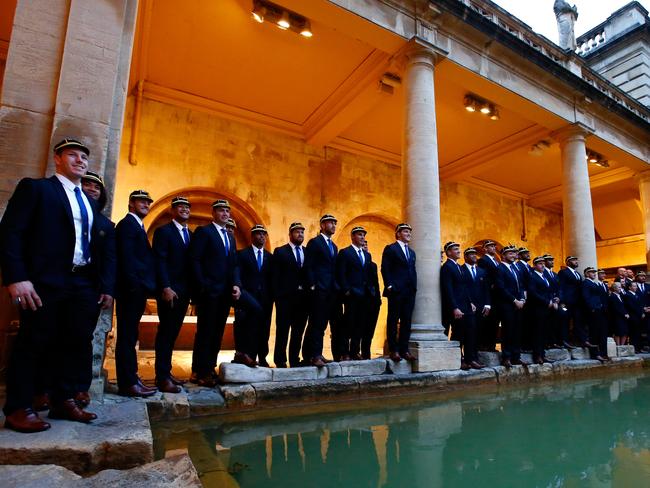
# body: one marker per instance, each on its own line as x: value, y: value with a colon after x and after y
x: 511, y: 299
x: 595, y: 297
x: 290, y: 293
x: 457, y: 305
x: 541, y: 303
x: 644, y: 292
x: 478, y: 286
x: 253, y: 313
x: 50, y: 254
x: 136, y: 281
x: 352, y: 274
x: 489, y: 332
x: 523, y: 257
x: 320, y: 263
x: 213, y: 258
x: 400, y: 287
x: 555, y: 336
x: 570, y: 307
x: 374, y: 305
x: 171, y: 245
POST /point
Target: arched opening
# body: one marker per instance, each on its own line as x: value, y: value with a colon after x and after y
x: 481, y: 250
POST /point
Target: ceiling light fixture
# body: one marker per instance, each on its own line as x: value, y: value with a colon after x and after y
x: 595, y: 158
x: 283, y: 21
x: 259, y: 12
x: 475, y: 103
x: 306, y: 29
x: 264, y: 11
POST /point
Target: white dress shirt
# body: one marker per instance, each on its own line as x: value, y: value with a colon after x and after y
x: 404, y: 246
x: 69, y: 186
x: 302, y: 253
x: 255, y: 250
x: 363, y: 256
x: 180, y: 228
x: 223, y: 235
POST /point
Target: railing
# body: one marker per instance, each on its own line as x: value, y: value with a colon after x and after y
x: 591, y: 43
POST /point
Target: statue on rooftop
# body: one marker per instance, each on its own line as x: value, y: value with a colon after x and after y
x: 566, y: 16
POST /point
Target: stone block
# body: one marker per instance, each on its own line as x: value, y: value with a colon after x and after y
x: 333, y: 370
x: 557, y: 354
x: 611, y: 347
x: 32, y: 476
x: 176, y: 405
x: 239, y: 395
x: 363, y: 368
x: 295, y: 374
x: 238, y: 373
x: 205, y: 401
x: 300, y: 392
x: 507, y: 375
x: 536, y: 371
x: 580, y: 353
x: 401, y: 367
x: 435, y: 355
x: 527, y: 357
x: 120, y: 438
x: 489, y: 358
x: 624, y: 351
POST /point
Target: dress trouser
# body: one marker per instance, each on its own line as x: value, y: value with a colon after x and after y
x: 400, y: 309
x: 490, y: 327
x: 467, y: 335
x: 355, y: 317
x: 59, y: 330
x: 248, y: 324
x: 211, y: 316
x: 171, y: 317
x: 540, y: 315
x: 291, y: 314
x: 370, y: 323
x: 511, y: 321
x: 598, y: 332
x: 322, y: 311
x: 129, y: 309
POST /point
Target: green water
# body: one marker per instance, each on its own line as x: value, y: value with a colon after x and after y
x: 592, y: 433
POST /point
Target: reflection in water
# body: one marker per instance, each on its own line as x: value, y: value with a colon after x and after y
x: 588, y: 433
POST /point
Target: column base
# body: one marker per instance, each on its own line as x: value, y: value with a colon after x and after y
x: 435, y: 355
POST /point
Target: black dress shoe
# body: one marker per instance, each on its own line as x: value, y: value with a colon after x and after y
x: 464, y: 366
x: 263, y: 363
x: 69, y: 410
x: 476, y: 365
x: 506, y: 363
x: 318, y: 362
x: 408, y: 356
x: 395, y: 357
x: 26, y: 421
x: 281, y: 365
x: 568, y: 346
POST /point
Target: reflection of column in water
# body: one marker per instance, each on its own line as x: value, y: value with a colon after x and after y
x: 380, y: 438
x: 288, y: 467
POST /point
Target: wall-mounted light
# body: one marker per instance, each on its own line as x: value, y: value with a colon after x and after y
x: 474, y: 103
x: 593, y: 157
x: 264, y: 11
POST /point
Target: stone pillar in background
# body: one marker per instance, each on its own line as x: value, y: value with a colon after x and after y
x: 421, y: 207
x: 82, y: 51
x: 644, y: 191
x: 578, y: 214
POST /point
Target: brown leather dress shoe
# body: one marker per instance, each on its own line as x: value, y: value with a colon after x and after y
x: 145, y: 387
x: 194, y: 378
x: 167, y: 386
x: 476, y: 365
x: 136, y: 391
x: 318, y: 362
x: 175, y: 380
x: 245, y: 359
x: 82, y: 398
x: 25, y: 420
x: 326, y: 361
x: 395, y: 357
x: 408, y: 356
x: 345, y: 357
x: 506, y: 363
x: 601, y: 359
x: 207, y: 381
x: 69, y: 410
x: 464, y: 366
x: 41, y: 402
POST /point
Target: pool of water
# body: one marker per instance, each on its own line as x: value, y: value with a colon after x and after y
x: 592, y: 433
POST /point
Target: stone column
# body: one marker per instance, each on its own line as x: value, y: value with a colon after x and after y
x: 644, y: 191
x: 421, y: 208
x: 579, y: 233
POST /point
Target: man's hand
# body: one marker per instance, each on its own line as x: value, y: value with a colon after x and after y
x: 519, y: 304
x: 486, y: 311
x: 236, y: 292
x: 169, y: 295
x: 23, y: 294
x: 473, y: 307
x: 106, y: 301
x: 458, y: 314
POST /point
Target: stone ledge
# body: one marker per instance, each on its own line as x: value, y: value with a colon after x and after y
x: 120, y: 438
x: 624, y: 351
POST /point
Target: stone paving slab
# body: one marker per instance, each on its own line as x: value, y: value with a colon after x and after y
x: 363, y: 368
x: 171, y: 472
x: 557, y: 354
x: 119, y: 438
x: 238, y: 373
x: 580, y: 353
x: 489, y: 358
x: 295, y: 374
x: 400, y: 367
x: 624, y: 351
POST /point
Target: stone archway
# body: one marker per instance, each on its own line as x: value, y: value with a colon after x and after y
x: 479, y: 246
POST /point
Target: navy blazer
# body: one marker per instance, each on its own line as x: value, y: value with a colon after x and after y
x: 570, y: 287
x: 351, y: 275
x: 634, y: 305
x: 645, y: 295
x: 320, y: 264
x: 288, y: 278
x: 397, y: 272
x: 256, y: 281
x: 617, y: 311
x: 479, y: 287
x: 540, y: 292
x: 135, y: 262
x: 553, y: 280
x: 172, y: 257
x: 490, y: 268
x: 508, y: 288
x: 214, y: 272
x: 37, y: 238
x: 592, y: 296
x: 373, y: 277
x: 454, y: 288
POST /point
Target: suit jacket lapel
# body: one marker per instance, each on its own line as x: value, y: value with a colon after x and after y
x: 60, y: 191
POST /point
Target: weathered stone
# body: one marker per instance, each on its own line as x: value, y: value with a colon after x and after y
x: 611, y: 347
x: 239, y: 395
x: 363, y: 368
x: 294, y: 374
x: 580, y: 353
x: 527, y: 357
x: 401, y: 367
x: 515, y: 373
x: 489, y: 358
x: 557, y: 354
x: 578, y: 365
x: 536, y: 371
x: 238, y: 373
x: 176, y: 405
x: 439, y: 357
x: 205, y: 401
x: 333, y: 370
x: 305, y: 391
x: 624, y: 351
x: 120, y: 438
x: 37, y: 476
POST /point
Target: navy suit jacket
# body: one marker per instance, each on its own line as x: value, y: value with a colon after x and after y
x: 592, y: 296
x: 454, y: 288
x: 508, y: 288
x: 634, y: 304
x: 172, y: 257
x: 351, y: 276
x: 37, y: 238
x: 490, y: 268
x: 553, y: 281
x: 540, y: 292
x: 617, y: 310
x: 479, y: 288
x: 320, y: 264
x: 524, y: 271
x: 645, y: 295
x: 135, y: 261
x: 288, y: 278
x: 256, y: 281
x: 570, y: 287
x: 214, y: 272
x: 397, y: 272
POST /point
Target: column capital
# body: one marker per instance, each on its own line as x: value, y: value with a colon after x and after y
x: 419, y: 50
x: 571, y: 132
